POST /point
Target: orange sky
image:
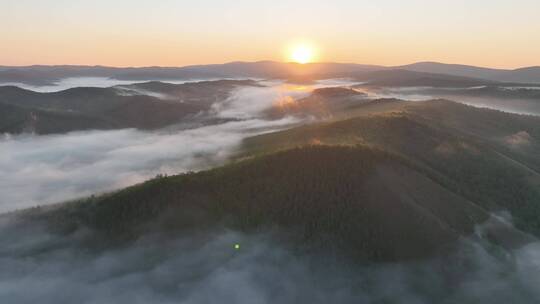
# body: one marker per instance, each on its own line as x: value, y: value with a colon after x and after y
x: 492, y: 33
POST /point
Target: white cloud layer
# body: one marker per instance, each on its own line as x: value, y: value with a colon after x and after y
x: 48, y: 169
x: 205, y: 268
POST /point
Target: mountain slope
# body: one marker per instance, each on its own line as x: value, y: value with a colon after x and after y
x: 15, y: 119
x: 407, y: 78
x: 523, y: 75
x: 145, y: 106
x: 487, y: 156
x: 360, y: 201
x: 382, y: 187
x: 48, y: 75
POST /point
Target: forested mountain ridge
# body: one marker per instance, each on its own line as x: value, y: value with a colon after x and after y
x: 396, y: 185
x: 361, y: 201
x: 47, y: 75
x: 486, y: 155
x: 109, y: 108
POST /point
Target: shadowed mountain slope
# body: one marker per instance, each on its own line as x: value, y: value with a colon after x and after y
x: 523, y: 75
x: 145, y: 106
x: 48, y: 75
x: 390, y: 186
x: 406, y: 78
x: 489, y: 157
x: 361, y: 201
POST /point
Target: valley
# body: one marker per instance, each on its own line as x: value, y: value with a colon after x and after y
x: 336, y: 170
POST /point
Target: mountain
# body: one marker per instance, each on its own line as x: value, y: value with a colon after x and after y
x: 109, y: 108
x: 321, y: 103
x: 486, y: 156
x: 523, y: 75
x: 41, y: 75
x: 16, y: 119
x: 401, y: 184
x: 282, y: 70
x: 407, y: 78
x: 453, y: 69
x: 367, y: 203
x: 48, y: 75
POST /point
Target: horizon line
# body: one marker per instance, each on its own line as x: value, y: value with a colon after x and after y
x: 262, y: 61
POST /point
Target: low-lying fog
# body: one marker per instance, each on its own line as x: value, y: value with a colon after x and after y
x: 206, y: 268
x: 98, y: 82
x: 506, y: 104
x: 49, y: 169
x: 37, y: 267
x: 54, y: 168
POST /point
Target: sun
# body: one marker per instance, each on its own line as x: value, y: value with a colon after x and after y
x: 302, y: 54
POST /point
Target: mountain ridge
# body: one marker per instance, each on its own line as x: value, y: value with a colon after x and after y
x: 46, y: 75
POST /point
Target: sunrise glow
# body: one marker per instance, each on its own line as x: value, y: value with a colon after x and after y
x: 302, y: 54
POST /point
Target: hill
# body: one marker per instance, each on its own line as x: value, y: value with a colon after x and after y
x: 522, y: 75
x: 407, y: 78
x: 396, y: 185
x: 109, y: 108
x: 48, y: 75
x: 487, y: 156
x: 16, y: 119
x: 356, y: 200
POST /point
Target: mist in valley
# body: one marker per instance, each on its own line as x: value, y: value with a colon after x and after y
x: 94, y: 82
x: 205, y: 267
x: 526, y: 106
x: 278, y: 152
x: 54, y: 168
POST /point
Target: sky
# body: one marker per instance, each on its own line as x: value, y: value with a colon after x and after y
x: 494, y: 33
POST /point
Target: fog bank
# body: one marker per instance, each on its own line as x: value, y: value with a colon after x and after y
x: 49, y: 169
x: 97, y: 82
x: 206, y: 268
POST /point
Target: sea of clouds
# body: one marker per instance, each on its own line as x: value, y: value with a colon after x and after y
x: 39, y: 267
x: 48, y: 169
x: 507, y: 104
x: 36, y: 267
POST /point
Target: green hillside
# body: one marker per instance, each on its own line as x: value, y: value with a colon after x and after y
x: 148, y: 106
x: 487, y: 156
x: 361, y: 201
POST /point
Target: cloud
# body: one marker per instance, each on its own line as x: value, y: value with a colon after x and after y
x: 252, y: 101
x: 36, y: 266
x: 506, y: 104
x: 205, y: 268
x: 97, y: 82
x: 48, y: 169
x: 521, y: 138
x: 54, y: 168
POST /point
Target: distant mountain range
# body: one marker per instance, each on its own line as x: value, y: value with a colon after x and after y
x: 47, y: 75
x: 522, y: 75
x: 118, y: 107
